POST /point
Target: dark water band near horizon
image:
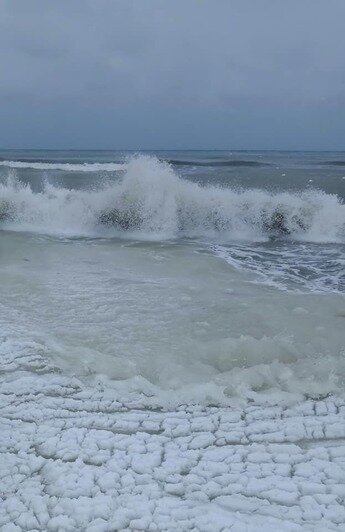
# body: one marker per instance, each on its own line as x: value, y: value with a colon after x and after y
x: 214, y: 274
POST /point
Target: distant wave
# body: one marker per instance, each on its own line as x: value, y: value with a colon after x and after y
x: 68, y: 167
x: 181, y: 162
x: 38, y: 164
x: 151, y: 201
x: 334, y: 163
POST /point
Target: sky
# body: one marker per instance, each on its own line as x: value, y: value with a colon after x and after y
x: 178, y: 74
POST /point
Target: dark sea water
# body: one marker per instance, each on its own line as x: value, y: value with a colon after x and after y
x: 211, y: 272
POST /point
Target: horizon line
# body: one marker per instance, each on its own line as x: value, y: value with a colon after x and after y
x: 176, y: 149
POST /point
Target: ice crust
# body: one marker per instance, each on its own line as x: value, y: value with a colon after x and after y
x: 77, y: 457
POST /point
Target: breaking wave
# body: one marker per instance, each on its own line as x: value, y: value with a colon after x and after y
x: 151, y: 201
x: 68, y: 167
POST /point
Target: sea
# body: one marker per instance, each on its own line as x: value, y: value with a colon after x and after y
x: 188, y: 276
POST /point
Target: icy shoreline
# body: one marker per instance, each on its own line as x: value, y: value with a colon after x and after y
x: 73, y: 457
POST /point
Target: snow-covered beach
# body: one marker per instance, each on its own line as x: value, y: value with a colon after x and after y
x: 78, y: 457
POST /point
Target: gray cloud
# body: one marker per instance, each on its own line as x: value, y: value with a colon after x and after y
x: 186, y: 73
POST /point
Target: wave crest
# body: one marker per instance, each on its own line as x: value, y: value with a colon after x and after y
x: 228, y: 163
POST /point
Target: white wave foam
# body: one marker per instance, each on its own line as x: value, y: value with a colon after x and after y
x: 289, y: 265
x: 68, y: 167
x: 151, y: 201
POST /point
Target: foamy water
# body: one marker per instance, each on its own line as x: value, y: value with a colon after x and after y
x: 169, y: 282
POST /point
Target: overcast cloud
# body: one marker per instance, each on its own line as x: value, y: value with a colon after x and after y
x: 172, y: 74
